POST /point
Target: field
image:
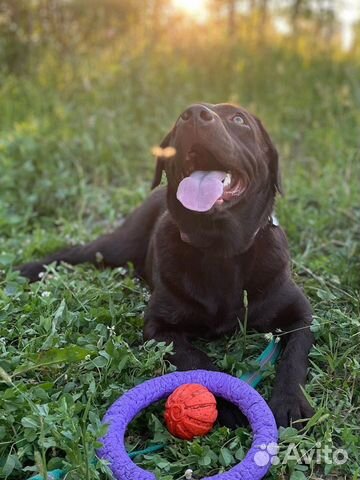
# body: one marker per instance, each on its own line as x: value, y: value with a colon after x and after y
x: 75, y: 159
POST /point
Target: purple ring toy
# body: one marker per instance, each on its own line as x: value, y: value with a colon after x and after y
x: 257, y: 461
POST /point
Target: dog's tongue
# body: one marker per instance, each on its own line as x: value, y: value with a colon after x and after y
x: 200, y: 191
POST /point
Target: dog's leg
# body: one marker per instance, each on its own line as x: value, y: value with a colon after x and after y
x: 288, y: 401
x: 128, y: 243
x: 188, y: 357
x: 185, y: 356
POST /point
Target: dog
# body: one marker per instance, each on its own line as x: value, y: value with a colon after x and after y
x: 203, y: 240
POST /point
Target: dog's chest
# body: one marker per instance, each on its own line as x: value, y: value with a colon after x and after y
x: 213, y: 290
x: 213, y: 279
x: 203, y: 292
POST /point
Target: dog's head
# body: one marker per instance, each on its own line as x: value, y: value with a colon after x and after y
x: 232, y: 175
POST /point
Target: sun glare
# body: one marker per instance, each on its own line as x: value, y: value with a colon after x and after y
x: 196, y: 8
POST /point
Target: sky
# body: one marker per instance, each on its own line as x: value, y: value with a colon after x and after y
x: 348, y: 12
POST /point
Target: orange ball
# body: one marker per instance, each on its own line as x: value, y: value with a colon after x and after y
x: 190, y: 411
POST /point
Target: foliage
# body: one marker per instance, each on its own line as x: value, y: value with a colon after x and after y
x: 75, y: 157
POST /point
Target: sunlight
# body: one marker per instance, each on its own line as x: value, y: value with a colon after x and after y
x: 195, y: 8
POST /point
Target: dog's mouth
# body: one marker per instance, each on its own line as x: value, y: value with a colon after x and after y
x: 207, y: 182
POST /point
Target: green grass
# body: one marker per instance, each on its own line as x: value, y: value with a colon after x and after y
x: 74, y: 159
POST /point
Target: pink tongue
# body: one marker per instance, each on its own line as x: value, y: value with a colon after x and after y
x: 200, y: 191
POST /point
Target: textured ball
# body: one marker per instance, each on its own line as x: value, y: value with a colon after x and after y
x: 190, y: 411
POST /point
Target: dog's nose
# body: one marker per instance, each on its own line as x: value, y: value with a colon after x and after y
x: 197, y: 113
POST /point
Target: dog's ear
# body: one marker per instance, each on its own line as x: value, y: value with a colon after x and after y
x: 273, y: 157
x: 160, y: 162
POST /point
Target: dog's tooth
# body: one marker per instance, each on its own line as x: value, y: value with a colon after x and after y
x: 227, y: 180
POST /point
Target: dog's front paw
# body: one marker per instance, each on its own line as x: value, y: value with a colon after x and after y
x: 229, y: 415
x: 32, y: 270
x: 290, y: 407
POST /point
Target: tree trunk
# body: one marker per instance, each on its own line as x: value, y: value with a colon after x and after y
x: 231, y: 17
x: 295, y: 15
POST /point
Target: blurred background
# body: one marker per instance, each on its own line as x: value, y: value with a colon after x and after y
x: 87, y: 88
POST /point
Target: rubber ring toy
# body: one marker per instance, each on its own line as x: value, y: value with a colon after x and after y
x: 249, y: 401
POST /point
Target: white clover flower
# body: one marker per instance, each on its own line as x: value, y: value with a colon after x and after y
x: 122, y: 270
x: 46, y: 294
x: 111, y: 330
x: 146, y: 294
x: 269, y: 336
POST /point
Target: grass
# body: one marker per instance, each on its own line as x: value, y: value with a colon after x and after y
x: 74, y: 159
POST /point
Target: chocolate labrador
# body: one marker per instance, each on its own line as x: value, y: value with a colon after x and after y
x: 203, y: 240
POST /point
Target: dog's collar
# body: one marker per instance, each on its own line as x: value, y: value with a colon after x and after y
x: 184, y: 237
x: 272, y: 221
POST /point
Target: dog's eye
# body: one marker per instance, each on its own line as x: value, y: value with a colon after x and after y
x: 238, y: 119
